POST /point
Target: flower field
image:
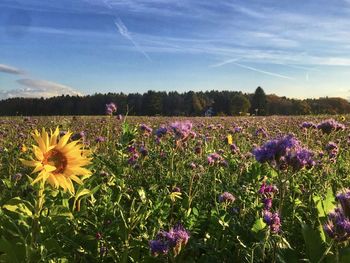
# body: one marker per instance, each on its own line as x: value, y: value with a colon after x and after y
x: 166, y: 189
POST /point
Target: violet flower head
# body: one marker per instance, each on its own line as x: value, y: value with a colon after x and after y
x: 344, y: 200
x: 145, y: 128
x: 100, y: 139
x: 273, y: 220
x: 261, y: 131
x: 161, y: 132
x: 226, y: 197
x: 330, y: 125
x: 175, y: 239
x: 182, y: 129
x: 337, y: 226
x: 284, y: 152
x: 158, y: 247
x: 110, y: 108
x: 308, y: 125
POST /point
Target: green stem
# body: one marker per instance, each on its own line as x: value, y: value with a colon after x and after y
x: 326, y: 252
x: 38, y: 207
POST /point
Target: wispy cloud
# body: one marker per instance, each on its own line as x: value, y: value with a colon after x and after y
x: 263, y: 71
x: 223, y: 63
x: 10, y: 70
x: 123, y: 30
x: 34, y: 88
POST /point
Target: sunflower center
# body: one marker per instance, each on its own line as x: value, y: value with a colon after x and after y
x: 57, y: 159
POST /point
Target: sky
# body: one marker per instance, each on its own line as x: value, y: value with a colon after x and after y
x: 298, y: 49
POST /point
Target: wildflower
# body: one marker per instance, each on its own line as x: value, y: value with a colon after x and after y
x: 330, y: 125
x: 145, y: 128
x: 307, y: 125
x: 175, y: 239
x: 229, y: 139
x: 17, y: 177
x: 344, y: 199
x: 110, y: 108
x: 234, y: 148
x: 57, y: 161
x: 161, y: 131
x: 337, y: 226
x: 273, y: 220
x: 158, y: 247
x: 332, y: 150
x: 181, y: 129
x: 261, y: 132
x: 78, y: 136
x: 226, y: 197
x: 100, y: 139
x: 284, y: 152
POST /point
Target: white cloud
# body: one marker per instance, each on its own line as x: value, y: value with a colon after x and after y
x: 38, y: 88
x: 9, y: 69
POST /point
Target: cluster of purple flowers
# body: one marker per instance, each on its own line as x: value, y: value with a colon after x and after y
x: 284, y: 152
x: 176, y: 238
x: 226, y: 197
x: 338, y: 225
x: 146, y: 129
x: 111, y: 108
x: 332, y: 150
x: 234, y: 148
x: 215, y: 158
x: 161, y: 132
x: 308, y: 125
x: 330, y: 125
x: 100, y: 139
x: 261, y: 131
x: 77, y: 136
x: 182, y: 129
x: 271, y: 219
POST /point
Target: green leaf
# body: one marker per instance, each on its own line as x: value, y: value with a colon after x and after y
x: 344, y: 255
x: 258, y: 225
x: 313, y: 241
x: 61, y: 211
x: 19, y: 206
x: 9, y: 250
x: 324, y: 206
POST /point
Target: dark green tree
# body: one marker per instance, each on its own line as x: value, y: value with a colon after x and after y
x: 259, y: 102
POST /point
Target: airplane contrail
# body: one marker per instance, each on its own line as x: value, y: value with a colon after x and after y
x: 262, y: 71
x: 123, y: 30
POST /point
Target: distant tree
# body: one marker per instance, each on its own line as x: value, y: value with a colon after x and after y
x: 259, y: 102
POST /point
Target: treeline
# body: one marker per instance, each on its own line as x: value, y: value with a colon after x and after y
x: 175, y: 104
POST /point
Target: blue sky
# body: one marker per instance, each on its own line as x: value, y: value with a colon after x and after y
x: 291, y: 48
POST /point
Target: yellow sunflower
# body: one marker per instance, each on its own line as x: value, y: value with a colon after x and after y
x: 57, y: 161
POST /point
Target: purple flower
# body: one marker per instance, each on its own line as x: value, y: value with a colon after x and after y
x: 78, y: 136
x: 145, y: 128
x: 330, y: 125
x: 110, y: 108
x: 226, y: 197
x: 272, y: 220
x: 261, y: 132
x: 234, y: 148
x: 332, y: 150
x: 283, y: 152
x: 337, y: 226
x: 175, y: 239
x: 182, y: 129
x: 100, y: 139
x: 17, y: 177
x: 344, y: 200
x: 161, y: 131
x: 307, y: 125
x: 158, y: 247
